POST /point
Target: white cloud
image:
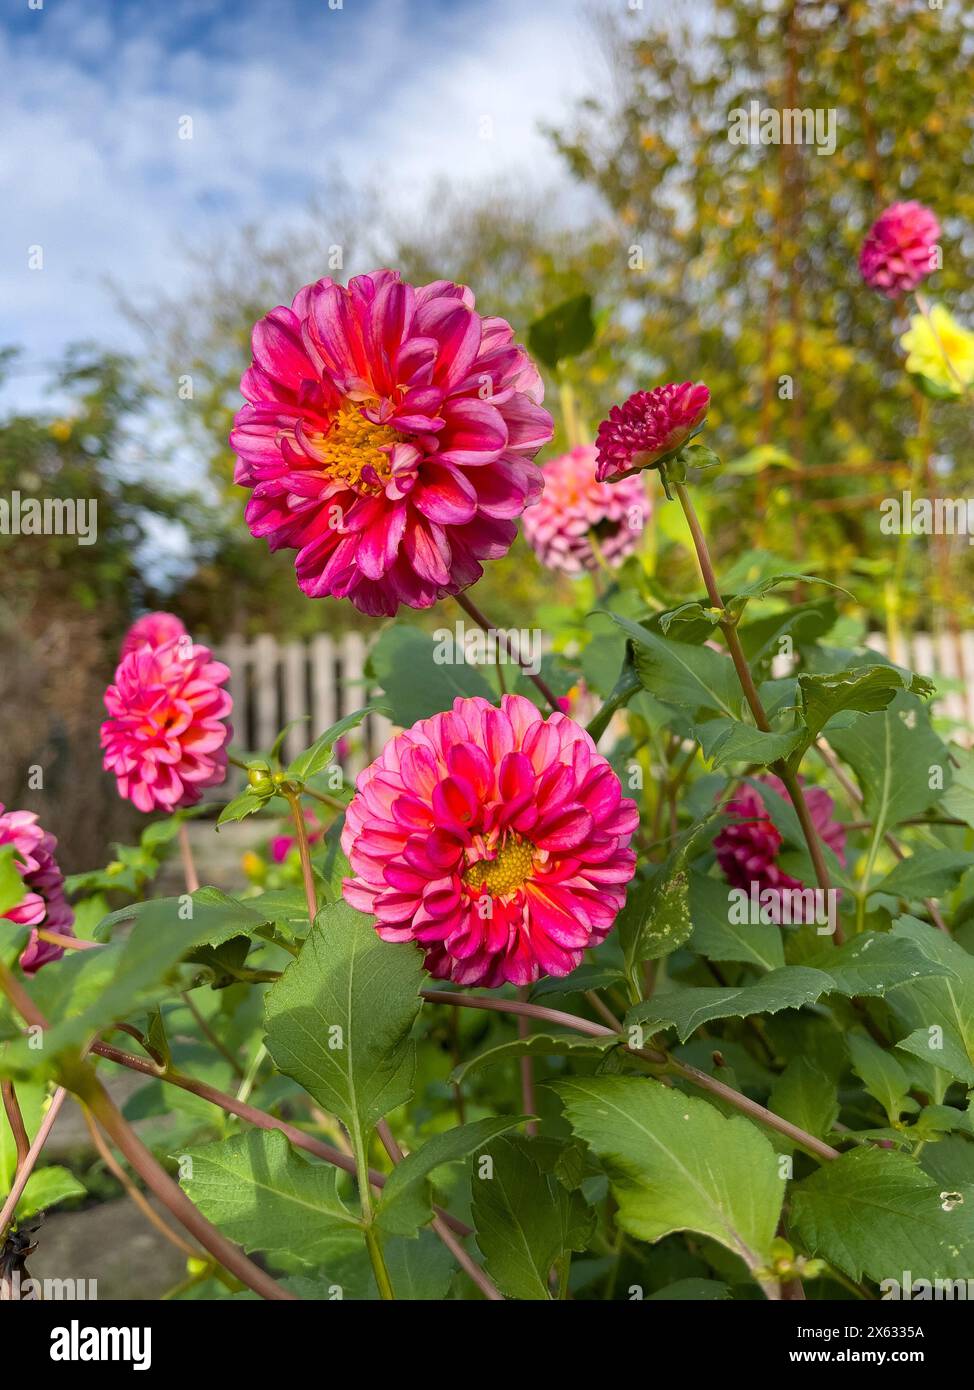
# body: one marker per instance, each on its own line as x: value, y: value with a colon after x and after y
x: 392, y: 91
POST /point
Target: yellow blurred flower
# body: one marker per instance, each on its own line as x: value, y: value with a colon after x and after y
x: 928, y: 344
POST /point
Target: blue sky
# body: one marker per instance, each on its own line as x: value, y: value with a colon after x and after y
x: 282, y: 95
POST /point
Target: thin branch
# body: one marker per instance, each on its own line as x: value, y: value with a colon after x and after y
x: 482, y: 621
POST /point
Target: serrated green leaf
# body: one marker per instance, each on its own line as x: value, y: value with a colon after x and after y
x: 677, y: 1164
x: 263, y: 1195
x: 865, y: 688
x: 927, y: 873
x: 881, y: 1074
x: 807, y: 1096
x: 46, y: 1187
x: 872, y: 963
x: 242, y: 806
x: 695, y: 678
x: 524, y: 1221
x: 875, y: 1213
x: 939, y: 1009
x: 338, y: 1020
x: 685, y: 1009
x: 564, y: 331
x: 416, y: 685
x: 537, y: 1045
x: 318, y: 756
x: 733, y: 741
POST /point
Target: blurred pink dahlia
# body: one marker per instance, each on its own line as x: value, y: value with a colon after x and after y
x: 167, y: 735
x: 649, y: 427
x: 388, y: 439
x: 747, y: 850
x: 44, y: 903
x: 495, y: 838
x: 899, y: 249
x: 575, y: 507
x: 154, y: 629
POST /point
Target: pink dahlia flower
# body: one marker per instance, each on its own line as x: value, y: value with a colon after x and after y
x: 154, y: 629
x: 649, y: 428
x: 388, y: 439
x: 575, y: 506
x: 167, y: 735
x: 44, y: 903
x: 899, y: 249
x: 747, y: 850
x: 495, y: 838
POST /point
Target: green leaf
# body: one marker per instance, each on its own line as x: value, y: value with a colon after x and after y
x: 807, y: 1096
x: 892, y: 755
x: 583, y: 977
x: 404, y: 662
x: 405, y: 1204
x: 939, y: 1009
x: 865, y: 688
x: 677, y: 1164
x: 11, y: 884
x: 524, y: 1221
x: 696, y: 678
x: 537, y: 1045
x: 564, y: 331
x: 246, y: 804
x: 686, y: 1009
x: 927, y: 873
x: 875, y: 1213
x: 958, y: 800
x: 873, y: 963
x: 338, y: 1020
x: 318, y: 756
x: 262, y: 1195
x: 45, y: 1188
x: 717, y: 938
x: 691, y: 1290
x: 881, y: 1074
x: 733, y: 741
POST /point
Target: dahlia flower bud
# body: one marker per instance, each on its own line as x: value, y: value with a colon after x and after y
x: 898, y: 251
x: 497, y: 839
x: 575, y: 509
x: 388, y: 438
x: 44, y: 904
x: 153, y: 629
x: 166, y: 737
x: 649, y: 428
x: 747, y: 850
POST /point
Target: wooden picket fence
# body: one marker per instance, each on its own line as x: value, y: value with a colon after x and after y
x: 324, y: 678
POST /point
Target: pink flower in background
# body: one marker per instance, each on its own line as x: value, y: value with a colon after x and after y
x: 575, y: 506
x: 747, y: 850
x: 154, y: 629
x: 495, y: 838
x: 167, y: 735
x: 388, y: 439
x: 44, y: 903
x: 649, y: 427
x: 899, y: 249
x: 281, y: 845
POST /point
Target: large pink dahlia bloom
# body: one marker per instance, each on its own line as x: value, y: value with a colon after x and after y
x: 576, y: 508
x: 899, y: 249
x: 495, y: 838
x: 44, y: 903
x: 388, y: 438
x: 154, y: 629
x: 167, y: 735
x: 649, y: 428
x: 747, y: 850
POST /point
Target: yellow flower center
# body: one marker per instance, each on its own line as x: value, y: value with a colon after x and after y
x: 355, y: 443
x: 505, y: 873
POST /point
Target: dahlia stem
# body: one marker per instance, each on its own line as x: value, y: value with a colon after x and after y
x: 482, y: 621
x: 80, y: 1078
x: 924, y: 307
x: 30, y: 1160
x: 304, y: 850
x: 67, y: 943
x: 372, y: 1242
x: 15, y: 1119
x: 259, y: 1118
x: 729, y: 628
x: 210, y: 1036
x: 698, y: 1078
x: 527, y: 1071
x: 189, y: 865
x: 569, y: 413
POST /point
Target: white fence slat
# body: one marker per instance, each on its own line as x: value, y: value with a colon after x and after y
x: 324, y: 685
x: 295, y: 660
x: 267, y: 714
